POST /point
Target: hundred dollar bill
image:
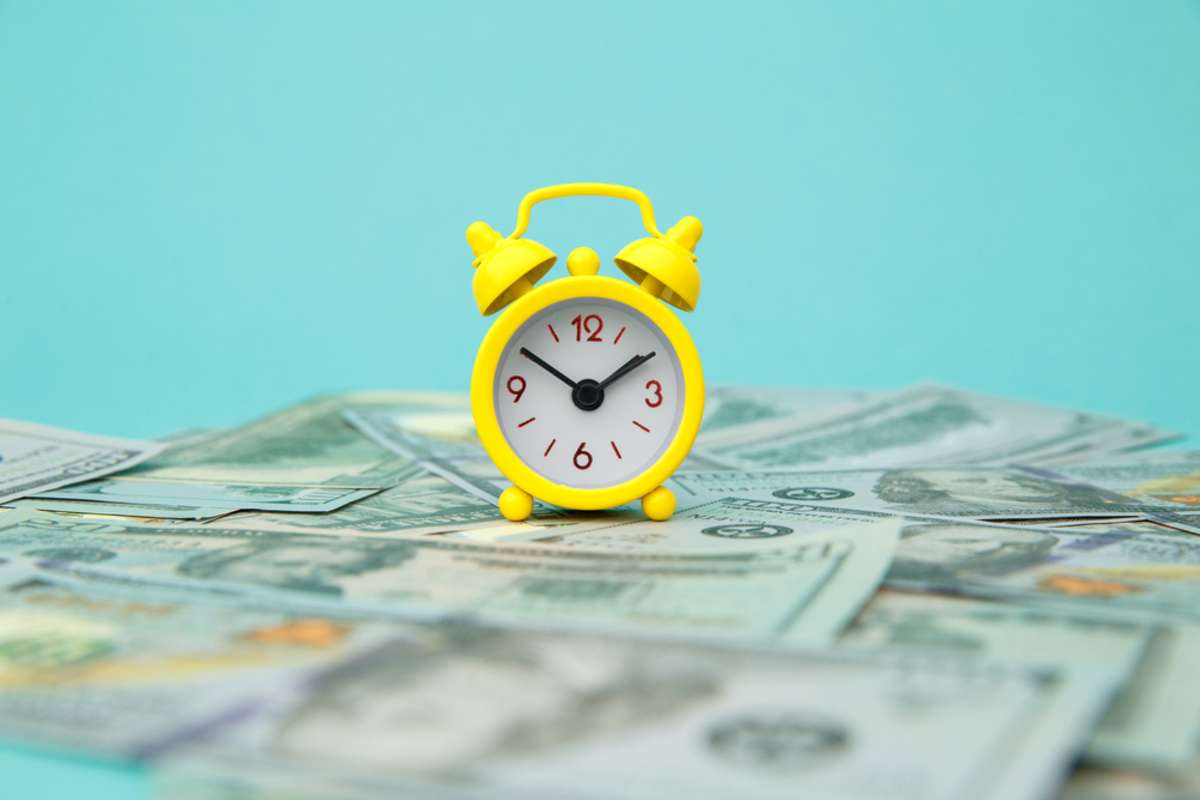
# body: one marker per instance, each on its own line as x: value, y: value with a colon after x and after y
x: 923, y: 425
x: 724, y: 524
x: 1112, y: 573
x: 796, y: 593
x: 35, y: 458
x: 138, y: 510
x: 1168, y: 477
x: 487, y: 713
x: 959, y: 492
x: 1153, y: 723
x: 212, y: 495
x: 123, y: 673
x: 1092, y: 783
x: 939, y: 624
x: 728, y: 407
x: 421, y: 505
x: 306, y: 444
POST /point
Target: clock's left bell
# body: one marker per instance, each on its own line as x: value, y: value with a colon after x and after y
x: 505, y: 269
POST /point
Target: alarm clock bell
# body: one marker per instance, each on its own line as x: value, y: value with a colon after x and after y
x: 662, y: 264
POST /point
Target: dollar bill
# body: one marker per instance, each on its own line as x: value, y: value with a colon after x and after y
x: 925, y: 425
x: 730, y: 407
x: 1096, y: 783
x: 306, y: 444
x: 799, y: 593
x: 492, y: 713
x: 1169, y: 477
x: 229, y: 496
x: 1154, y: 722
x: 724, y: 524
x: 1113, y: 573
x: 959, y: 492
x: 939, y: 624
x: 35, y: 458
x: 421, y: 505
x: 124, y: 673
x: 136, y: 510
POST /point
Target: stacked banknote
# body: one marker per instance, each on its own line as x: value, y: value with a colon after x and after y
x: 922, y: 593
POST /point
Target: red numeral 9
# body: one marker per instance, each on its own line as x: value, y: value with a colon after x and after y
x: 582, y: 459
x: 591, y: 325
x: 656, y: 387
x: 516, y: 387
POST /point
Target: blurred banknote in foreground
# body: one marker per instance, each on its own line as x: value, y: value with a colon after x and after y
x: 35, y: 458
x: 122, y: 673
x: 474, y: 712
x: 1155, y: 719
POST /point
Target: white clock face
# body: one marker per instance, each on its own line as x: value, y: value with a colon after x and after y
x: 589, y: 393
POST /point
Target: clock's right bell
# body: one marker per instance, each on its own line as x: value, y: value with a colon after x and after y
x: 665, y: 266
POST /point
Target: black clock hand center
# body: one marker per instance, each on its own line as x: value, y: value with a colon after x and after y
x: 626, y: 368
x: 526, y: 352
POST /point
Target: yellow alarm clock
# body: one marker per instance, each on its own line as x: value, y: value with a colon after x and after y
x: 587, y: 392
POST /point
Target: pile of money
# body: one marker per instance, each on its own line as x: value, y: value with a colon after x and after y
x: 905, y: 595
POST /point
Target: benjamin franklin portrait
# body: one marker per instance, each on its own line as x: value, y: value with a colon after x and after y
x: 946, y: 550
x: 298, y: 563
x: 986, y: 491
x: 442, y: 704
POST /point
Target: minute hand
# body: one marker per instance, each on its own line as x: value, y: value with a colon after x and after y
x: 627, y: 367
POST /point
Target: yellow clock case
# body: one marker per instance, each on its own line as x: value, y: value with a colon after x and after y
x: 663, y: 267
x: 483, y: 382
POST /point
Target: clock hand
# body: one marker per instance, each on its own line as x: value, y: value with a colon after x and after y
x: 626, y: 368
x: 525, y: 352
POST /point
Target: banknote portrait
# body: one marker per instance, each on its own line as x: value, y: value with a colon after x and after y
x: 84, y: 555
x: 985, y: 490
x: 445, y: 704
x: 779, y: 741
x: 931, y: 551
x: 295, y: 563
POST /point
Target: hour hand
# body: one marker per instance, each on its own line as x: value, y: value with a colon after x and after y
x: 528, y: 354
x: 626, y: 368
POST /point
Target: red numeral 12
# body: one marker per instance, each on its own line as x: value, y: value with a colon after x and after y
x: 591, y: 325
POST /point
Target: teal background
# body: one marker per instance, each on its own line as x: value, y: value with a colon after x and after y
x: 209, y: 210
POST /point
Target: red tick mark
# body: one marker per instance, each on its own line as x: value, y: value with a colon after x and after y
x: 549, y: 447
x: 526, y: 422
x: 635, y: 422
x: 615, y: 450
x: 620, y: 333
x: 552, y: 333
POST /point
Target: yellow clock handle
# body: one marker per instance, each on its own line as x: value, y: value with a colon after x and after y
x: 662, y: 264
x: 585, y: 190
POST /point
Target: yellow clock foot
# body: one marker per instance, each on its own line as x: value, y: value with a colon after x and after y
x: 659, y: 505
x: 516, y: 504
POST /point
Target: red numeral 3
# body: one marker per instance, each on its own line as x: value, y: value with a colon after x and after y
x: 656, y: 388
